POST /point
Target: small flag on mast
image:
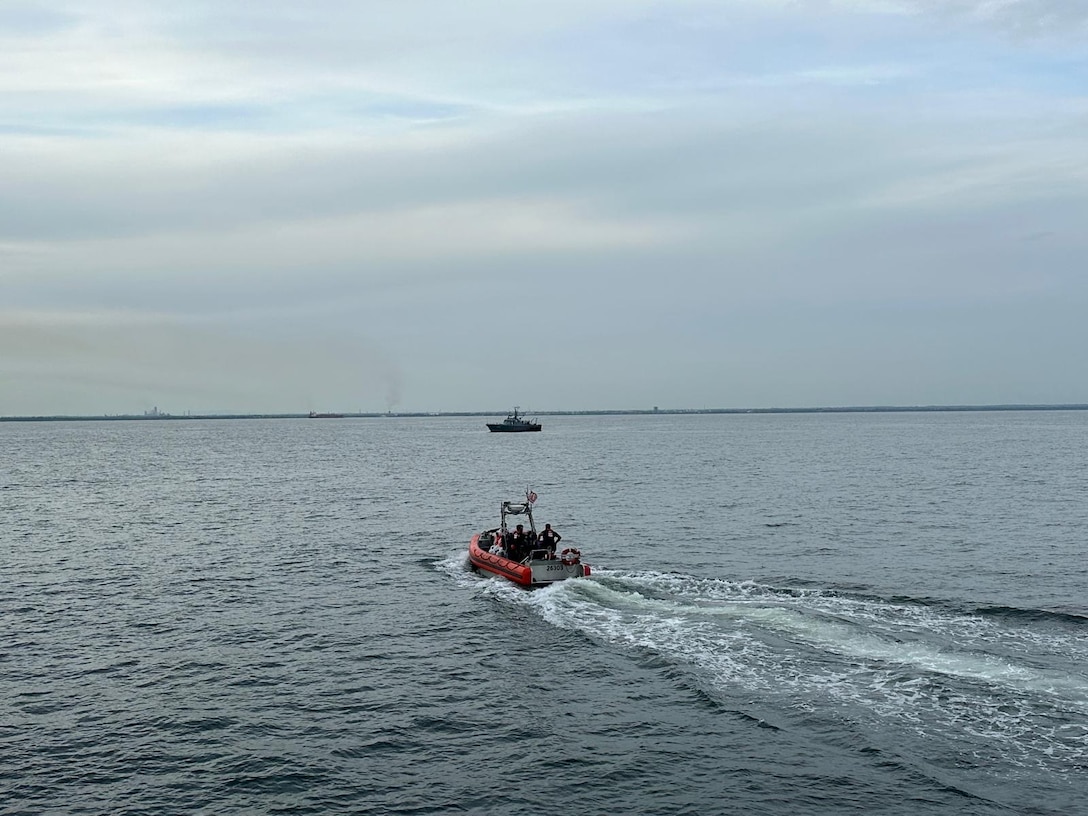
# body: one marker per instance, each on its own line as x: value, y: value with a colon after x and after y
x: 531, y: 497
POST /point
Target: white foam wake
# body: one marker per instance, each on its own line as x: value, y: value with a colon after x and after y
x: 932, y: 671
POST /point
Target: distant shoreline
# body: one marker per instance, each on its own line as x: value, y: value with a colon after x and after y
x: 861, y: 409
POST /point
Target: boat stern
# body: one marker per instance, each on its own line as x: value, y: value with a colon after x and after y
x: 552, y: 570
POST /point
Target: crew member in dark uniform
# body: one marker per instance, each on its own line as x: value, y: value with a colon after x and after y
x: 549, y: 538
x: 518, y: 544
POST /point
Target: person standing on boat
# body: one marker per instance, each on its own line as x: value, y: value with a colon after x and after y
x: 497, y: 548
x: 549, y: 538
x: 518, y: 543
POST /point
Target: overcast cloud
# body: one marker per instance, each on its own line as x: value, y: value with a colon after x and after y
x: 422, y: 205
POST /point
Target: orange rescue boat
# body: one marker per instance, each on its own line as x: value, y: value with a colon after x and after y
x: 529, y: 564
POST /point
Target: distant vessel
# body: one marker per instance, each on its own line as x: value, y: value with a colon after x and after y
x: 513, y: 424
x: 315, y: 415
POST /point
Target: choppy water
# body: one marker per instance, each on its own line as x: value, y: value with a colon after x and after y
x: 789, y: 614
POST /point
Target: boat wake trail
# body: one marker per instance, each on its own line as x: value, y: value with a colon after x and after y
x: 966, y: 688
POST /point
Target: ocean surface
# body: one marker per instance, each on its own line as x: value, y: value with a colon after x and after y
x: 789, y: 614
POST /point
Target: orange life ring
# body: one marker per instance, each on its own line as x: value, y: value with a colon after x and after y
x: 570, y: 556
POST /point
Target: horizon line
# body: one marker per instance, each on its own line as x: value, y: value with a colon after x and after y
x: 843, y: 409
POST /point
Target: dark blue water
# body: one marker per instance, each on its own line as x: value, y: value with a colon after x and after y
x: 789, y: 614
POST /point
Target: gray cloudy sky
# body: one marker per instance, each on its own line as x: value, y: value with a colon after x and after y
x: 439, y: 206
